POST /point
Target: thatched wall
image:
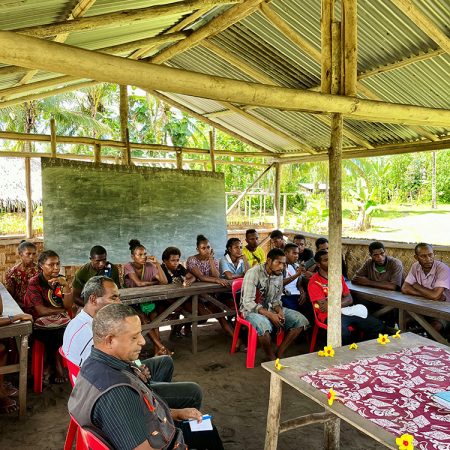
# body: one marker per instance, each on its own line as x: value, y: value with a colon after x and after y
x: 355, y: 251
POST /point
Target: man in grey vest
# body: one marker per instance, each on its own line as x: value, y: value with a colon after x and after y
x: 111, y: 396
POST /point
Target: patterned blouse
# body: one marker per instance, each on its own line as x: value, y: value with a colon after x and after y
x: 39, y: 292
x: 16, y: 281
x: 201, y: 264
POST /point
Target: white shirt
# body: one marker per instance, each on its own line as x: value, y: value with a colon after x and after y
x: 292, y: 286
x: 77, y: 341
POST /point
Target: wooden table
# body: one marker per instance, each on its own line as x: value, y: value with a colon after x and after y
x: 20, y: 331
x: 301, y: 365
x: 180, y: 294
x: 416, y: 307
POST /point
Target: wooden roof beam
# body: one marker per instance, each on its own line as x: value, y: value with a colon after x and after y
x: 215, y: 26
x: 423, y: 22
x: 21, y: 50
x: 120, y: 18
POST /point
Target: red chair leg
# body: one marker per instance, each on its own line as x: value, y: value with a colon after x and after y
x: 252, y: 343
x: 280, y: 337
x: 313, y: 339
x: 237, y: 327
x: 37, y: 365
x: 71, y: 433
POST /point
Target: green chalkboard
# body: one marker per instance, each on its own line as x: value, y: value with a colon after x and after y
x: 86, y: 204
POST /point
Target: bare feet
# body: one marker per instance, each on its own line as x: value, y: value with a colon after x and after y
x: 8, y: 405
x: 163, y: 351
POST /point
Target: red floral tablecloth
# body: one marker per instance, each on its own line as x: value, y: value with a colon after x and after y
x: 394, y: 391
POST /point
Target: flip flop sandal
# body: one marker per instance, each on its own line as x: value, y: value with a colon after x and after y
x: 8, y: 405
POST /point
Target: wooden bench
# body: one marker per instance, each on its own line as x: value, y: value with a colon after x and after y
x: 20, y: 331
x: 416, y: 307
x: 180, y: 294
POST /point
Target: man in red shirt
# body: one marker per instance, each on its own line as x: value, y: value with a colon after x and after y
x: 318, y: 293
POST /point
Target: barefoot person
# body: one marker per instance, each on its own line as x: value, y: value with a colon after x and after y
x: 110, y: 394
x: 48, y: 298
x: 7, y: 391
x: 270, y: 315
x: 143, y: 271
x: 16, y: 278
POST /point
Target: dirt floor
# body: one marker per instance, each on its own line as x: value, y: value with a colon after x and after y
x: 236, y: 397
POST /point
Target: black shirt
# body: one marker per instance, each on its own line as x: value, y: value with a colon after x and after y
x: 306, y: 255
x: 177, y: 276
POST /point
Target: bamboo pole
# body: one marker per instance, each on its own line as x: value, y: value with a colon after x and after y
x: 212, y: 148
x: 21, y: 50
x: 276, y: 201
x: 119, y: 18
x: 243, y: 193
x: 179, y: 159
x: 53, y: 137
x: 350, y: 46
x: 29, y: 200
x: 433, y: 180
x: 335, y: 198
x: 126, y: 156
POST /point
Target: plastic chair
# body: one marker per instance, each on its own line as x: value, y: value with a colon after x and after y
x: 37, y: 365
x: 73, y: 426
x: 252, y: 341
x: 89, y: 439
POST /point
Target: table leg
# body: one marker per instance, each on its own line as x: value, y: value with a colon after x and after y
x: 273, y: 412
x: 402, y: 319
x: 332, y: 434
x: 194, y: 323
x: 23, y: 376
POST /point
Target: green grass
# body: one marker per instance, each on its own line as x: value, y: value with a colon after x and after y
x: 15, y: 223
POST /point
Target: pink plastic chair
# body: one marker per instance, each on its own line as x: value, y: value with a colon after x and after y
x: 252, y: 341
x: 37, y: 365
x: 73, y: 426
x: 88, y: 440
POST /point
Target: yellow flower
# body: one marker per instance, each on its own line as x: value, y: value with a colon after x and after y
x: 405, y: 442
x: 353, y: 346
x: 383, y: 339
x: 331, y: 396
x: 279, y: 366
x: 321, y: 353
x: 328, y: 350
x: 397, y: 335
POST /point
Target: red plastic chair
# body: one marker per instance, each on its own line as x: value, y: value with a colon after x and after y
x: 87, y: 439
x: 73, y: 426
x: 252, y: 342
x: 37, y: 365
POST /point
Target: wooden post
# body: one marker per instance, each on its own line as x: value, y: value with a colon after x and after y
x: 276, y: 201
x: 325, y: 26
x: 29, y: 201
x: 212, y: 148
x: 97, y: 153
x: 335, y: 216
x: 273, y: 413
x: 350, y: 60
x: 433, y: 180
x: 332, y: 434
x: 124, y: 124
x: 179, y: 159
x: 284, y: 207
x: 53, y: 137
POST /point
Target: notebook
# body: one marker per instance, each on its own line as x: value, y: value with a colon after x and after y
x: 443, y: 398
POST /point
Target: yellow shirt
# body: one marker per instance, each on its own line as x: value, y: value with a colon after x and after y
x: 256, y: 257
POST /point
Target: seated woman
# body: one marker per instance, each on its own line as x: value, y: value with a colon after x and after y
x: 142, y: 271
x: 205, y: 267
x: 7, y: 391
x: 177, y: 273
x: 48, y: 298
x: 16, y: 278
x: 234, y: 264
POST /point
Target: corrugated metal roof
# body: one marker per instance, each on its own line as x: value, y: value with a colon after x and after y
x: 385, y: 35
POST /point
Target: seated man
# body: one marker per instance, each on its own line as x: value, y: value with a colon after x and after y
x: 428, y: 278
x: 380, y: 271
x: 294, y: 294
x: 304, y: 253
x: 110, y: 394
x: 99, y: 265
x: 318, y: 293
x: 322, y: 244
x: 277, y: 239
x: 269, y: 314
x: 254, y: 254
x: 98, y: 292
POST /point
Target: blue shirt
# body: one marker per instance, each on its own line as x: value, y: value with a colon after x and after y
x: 226, y: 265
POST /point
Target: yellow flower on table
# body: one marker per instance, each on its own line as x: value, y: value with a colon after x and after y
x: 405, y: 442
x: 353, y: 346
x: 331, y: 396
x: 328, y: 350
x: 383, y: 339
x: 279, y: 366
x: 397, y: 335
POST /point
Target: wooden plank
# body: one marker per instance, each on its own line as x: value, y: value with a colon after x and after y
x: 29, y: 199
x: 23, y: 362
x: 273, y: 412
x: 331, y: 434
x: 428, y: 328
x: 194, y: 327
x: 303, y: 364
x: 305, y: 420
x: 277, y: 189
